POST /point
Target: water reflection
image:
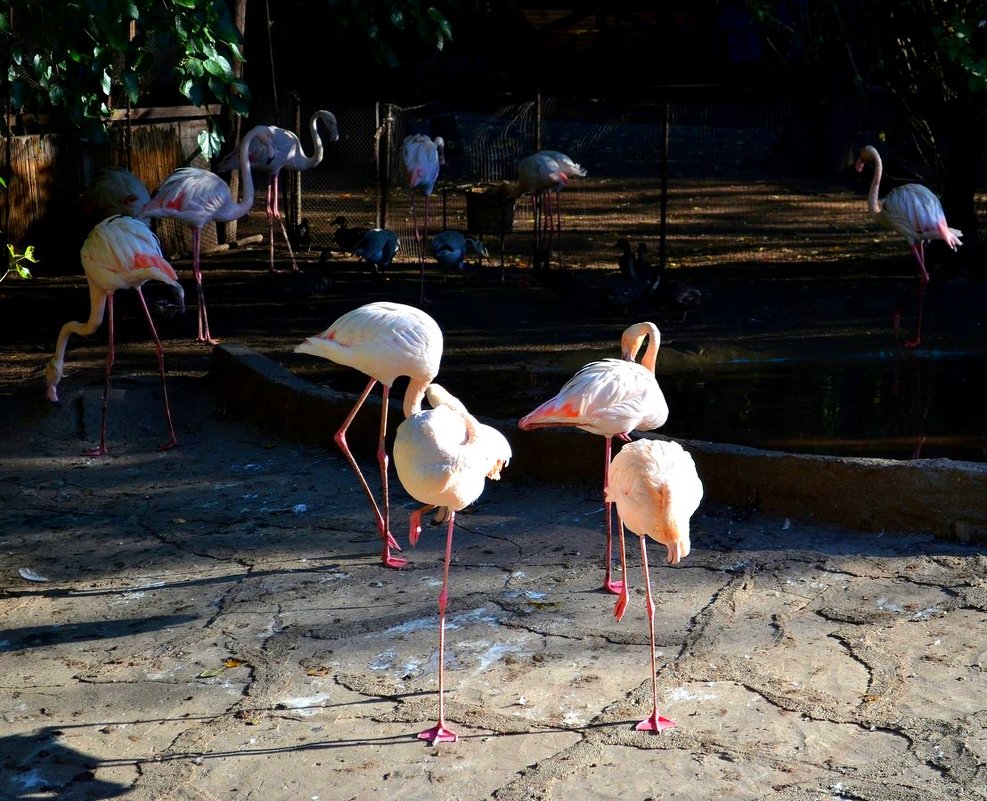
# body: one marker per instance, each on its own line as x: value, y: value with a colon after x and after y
x: 898, y: 406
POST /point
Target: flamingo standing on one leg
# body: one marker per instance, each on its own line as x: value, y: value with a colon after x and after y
x: 537, y: 175
x: 443, y: 457
x: 197, y: 197
x: 382, y: 340
x: 656, y: 490
x: 610, y: 397
x: 421, y: 158
x: 915, y: 212
x: 119, y: 253
x: 285, y: 152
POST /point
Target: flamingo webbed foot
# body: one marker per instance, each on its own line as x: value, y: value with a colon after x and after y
x: 439, y: 734
x: 621, y: 606
x: 95, y: 453
x: 655, y: 722
x: 395, y: 562
x: 613, y: 587
x: 167, y: 446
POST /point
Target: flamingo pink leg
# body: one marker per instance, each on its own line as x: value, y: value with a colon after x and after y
x: 383, y: 526
x: 274, y: 214
x: 440, y: 733
x: 110, y: 357
x: 420, y: 247
x: 609, y: 584
x: 654, y: 721
x: 621, y: 605
x: 173, y: 441
x: 204, y: 335
x: 918, y: 249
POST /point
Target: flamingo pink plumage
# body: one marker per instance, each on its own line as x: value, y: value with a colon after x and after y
x: 443, y: 457
x: 119, y: 253
x: 197, y: 197
x: 421, y: 159
x: 610, y: 397
x: 114, y: 190
x: 383, y: 340
x: 285, y: 152
x: 913, y: 211
x: 656, y: 490
x: 537, y: 175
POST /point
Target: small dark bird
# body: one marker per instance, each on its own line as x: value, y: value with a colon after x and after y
x: 676, y: 296
x: 377, y: 247
x: 450, y: 249
x: 346, y: 237
x: 300, y: 236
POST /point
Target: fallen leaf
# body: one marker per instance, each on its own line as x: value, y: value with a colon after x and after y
x: 30, y: 575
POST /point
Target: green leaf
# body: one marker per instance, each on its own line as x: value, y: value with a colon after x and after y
x: 218, y: 66
x: 210, y: 143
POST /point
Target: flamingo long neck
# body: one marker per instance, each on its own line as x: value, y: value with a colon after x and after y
x: 873, y: 204
x: 97, y: 308
x: 247, y: 201
x: 640, y: 332
x: 413, y: 397
x: 318, y: 150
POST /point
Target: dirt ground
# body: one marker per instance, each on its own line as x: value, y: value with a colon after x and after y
x: 212, y: 622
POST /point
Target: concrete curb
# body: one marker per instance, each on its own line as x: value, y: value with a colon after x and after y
x: 941, y: 496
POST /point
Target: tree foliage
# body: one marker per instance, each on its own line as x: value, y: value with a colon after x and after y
x: 82, y: 57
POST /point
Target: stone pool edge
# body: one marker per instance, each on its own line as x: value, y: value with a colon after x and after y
x: 944, y: 497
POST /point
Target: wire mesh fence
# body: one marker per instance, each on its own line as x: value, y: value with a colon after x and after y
x: 690, y: 179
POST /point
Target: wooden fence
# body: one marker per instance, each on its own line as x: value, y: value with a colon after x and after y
x: 47, y: 171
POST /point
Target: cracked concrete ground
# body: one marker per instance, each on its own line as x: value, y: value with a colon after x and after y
x: 215, y: 624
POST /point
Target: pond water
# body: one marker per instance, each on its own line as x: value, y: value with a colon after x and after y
x: 898, y: 405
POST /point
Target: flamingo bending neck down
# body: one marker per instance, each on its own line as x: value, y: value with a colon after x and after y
x: 443, y: 457
x: 119, y: 253
x: 383, y: 340
x: 656, y: 490
x: 915, y: 212
x: 284, y: 152
x: 612, y: 398
x: 197, y: 197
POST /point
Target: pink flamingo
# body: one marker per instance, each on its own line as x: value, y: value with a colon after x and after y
x: 571, y: 170
x: 284, y: 152
x: 443, y: 457
x: 913, y: 211
x: 537, y: 175
x: 656, y: 490
x: 119, y: 253
x: 382, y: 340
x: 114, y: 190
x: 421, y: 158
x: 610, y: 397
x: 197, y: 197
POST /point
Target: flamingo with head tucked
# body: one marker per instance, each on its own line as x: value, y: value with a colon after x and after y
x: 383, y: 340
x: 197, y: 197
x: 610, y: 397
x: 915, y: 212
x: 119, y: 253
x: 656, y: 490
x: 537, y: 175
x: 284, y: 152
x: 421, y: 159
x: 443, y: 457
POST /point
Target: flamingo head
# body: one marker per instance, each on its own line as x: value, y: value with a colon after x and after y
x: 53, y: 374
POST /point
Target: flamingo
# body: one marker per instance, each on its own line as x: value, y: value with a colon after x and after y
x: 114, y: 190
x: 382, y: 340
x: 450, y: 249
x: 537, y: 174
x: 913, y: 211
x: 656, y: 490
x: 119, y: 253
x: 284, y: 152
x: 571, y: 170
x: 421, y: 158
x: 610, y: 397
x: 197, y: 197
x: 443, y: 457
